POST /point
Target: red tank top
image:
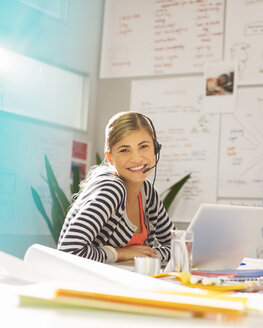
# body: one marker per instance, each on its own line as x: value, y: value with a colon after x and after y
x: 139, y: 238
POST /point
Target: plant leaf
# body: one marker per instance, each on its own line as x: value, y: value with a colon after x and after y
x: 74, y: 187
x: 173, y: 191
x: 58, y: 196
x: 60, y: 202
x: 98, y: 159
x: 58, y: 220
x: 40, y: 207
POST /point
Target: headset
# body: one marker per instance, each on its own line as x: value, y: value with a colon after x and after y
x: 157, y: 148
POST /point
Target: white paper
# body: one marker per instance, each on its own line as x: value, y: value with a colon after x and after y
x: 64, y: 270
x: 69, y: 268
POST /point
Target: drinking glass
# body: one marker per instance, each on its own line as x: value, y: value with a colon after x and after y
x: 181, y: 250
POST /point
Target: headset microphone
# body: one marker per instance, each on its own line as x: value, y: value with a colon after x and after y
x: 148, y: 169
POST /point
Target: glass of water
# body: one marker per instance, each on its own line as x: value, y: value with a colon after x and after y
x: 181, y: 250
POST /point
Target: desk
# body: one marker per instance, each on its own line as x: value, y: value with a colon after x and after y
x: 12, y: 315
x: 47, y: 318
x: 127, y: 265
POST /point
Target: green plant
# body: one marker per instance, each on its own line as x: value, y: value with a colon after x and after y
x: 74, y: 187
x: 171, y: 192
x: 60, y: 203
x: 98, y: 159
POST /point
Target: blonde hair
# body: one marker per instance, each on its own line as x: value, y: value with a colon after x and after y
x: 124, y: 123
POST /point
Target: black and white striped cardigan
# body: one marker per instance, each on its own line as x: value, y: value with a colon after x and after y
x: 98, y: 218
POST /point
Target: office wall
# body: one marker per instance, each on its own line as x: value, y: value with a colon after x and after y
x: 232, y: 171
x: 74, y: 43
x: 70, y: 41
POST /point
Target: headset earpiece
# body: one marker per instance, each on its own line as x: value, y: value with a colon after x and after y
x: 157, y: 147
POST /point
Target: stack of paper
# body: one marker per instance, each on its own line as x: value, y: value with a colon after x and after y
x: 74, y: 281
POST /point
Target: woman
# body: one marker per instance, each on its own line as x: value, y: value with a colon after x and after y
x: 118, y: 214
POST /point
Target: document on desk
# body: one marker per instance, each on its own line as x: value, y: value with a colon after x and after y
x: 76, y: 281
x: 237, y: 275
x: 42, y: 263
x: 172, y: 304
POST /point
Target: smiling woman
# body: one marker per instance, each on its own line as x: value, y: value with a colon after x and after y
x: 132, y: 155
x: 118, y: 213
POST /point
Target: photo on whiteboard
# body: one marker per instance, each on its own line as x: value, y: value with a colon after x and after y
x: 219, y: 79
x: 220, y: 87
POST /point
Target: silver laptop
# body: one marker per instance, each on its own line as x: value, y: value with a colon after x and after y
x: 224, y: 234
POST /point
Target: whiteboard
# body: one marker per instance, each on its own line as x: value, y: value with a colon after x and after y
x: 243, y: 39
x: 188, y: 136
x: 241, y: 153
x: 35, y: 89
x: 152, y: 37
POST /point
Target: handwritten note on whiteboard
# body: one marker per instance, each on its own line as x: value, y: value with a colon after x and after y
x: 243, y: 42
x: 189, y: 138
x: 155, y: 37
x: 241, y: 154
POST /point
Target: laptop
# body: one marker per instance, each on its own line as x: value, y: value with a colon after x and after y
x: 223, y: 235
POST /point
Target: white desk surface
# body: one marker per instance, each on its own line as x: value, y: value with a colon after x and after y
x: 13, y: 315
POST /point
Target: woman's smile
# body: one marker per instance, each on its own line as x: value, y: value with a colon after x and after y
x: 137, y: 168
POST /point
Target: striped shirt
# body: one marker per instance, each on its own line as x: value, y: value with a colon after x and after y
x: 98, y: 219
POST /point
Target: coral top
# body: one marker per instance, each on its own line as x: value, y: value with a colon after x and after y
x: 139, y: 238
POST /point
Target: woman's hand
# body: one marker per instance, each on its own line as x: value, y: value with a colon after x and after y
x: 129, y: 252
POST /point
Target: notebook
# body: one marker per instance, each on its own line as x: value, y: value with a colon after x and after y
x: 231, y: 275
x: 223, y: 235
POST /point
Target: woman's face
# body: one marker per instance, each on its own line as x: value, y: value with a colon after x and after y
x: 132, y: 154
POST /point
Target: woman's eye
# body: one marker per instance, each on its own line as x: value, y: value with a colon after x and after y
x: 124, y: 151
x: 144, y: 146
